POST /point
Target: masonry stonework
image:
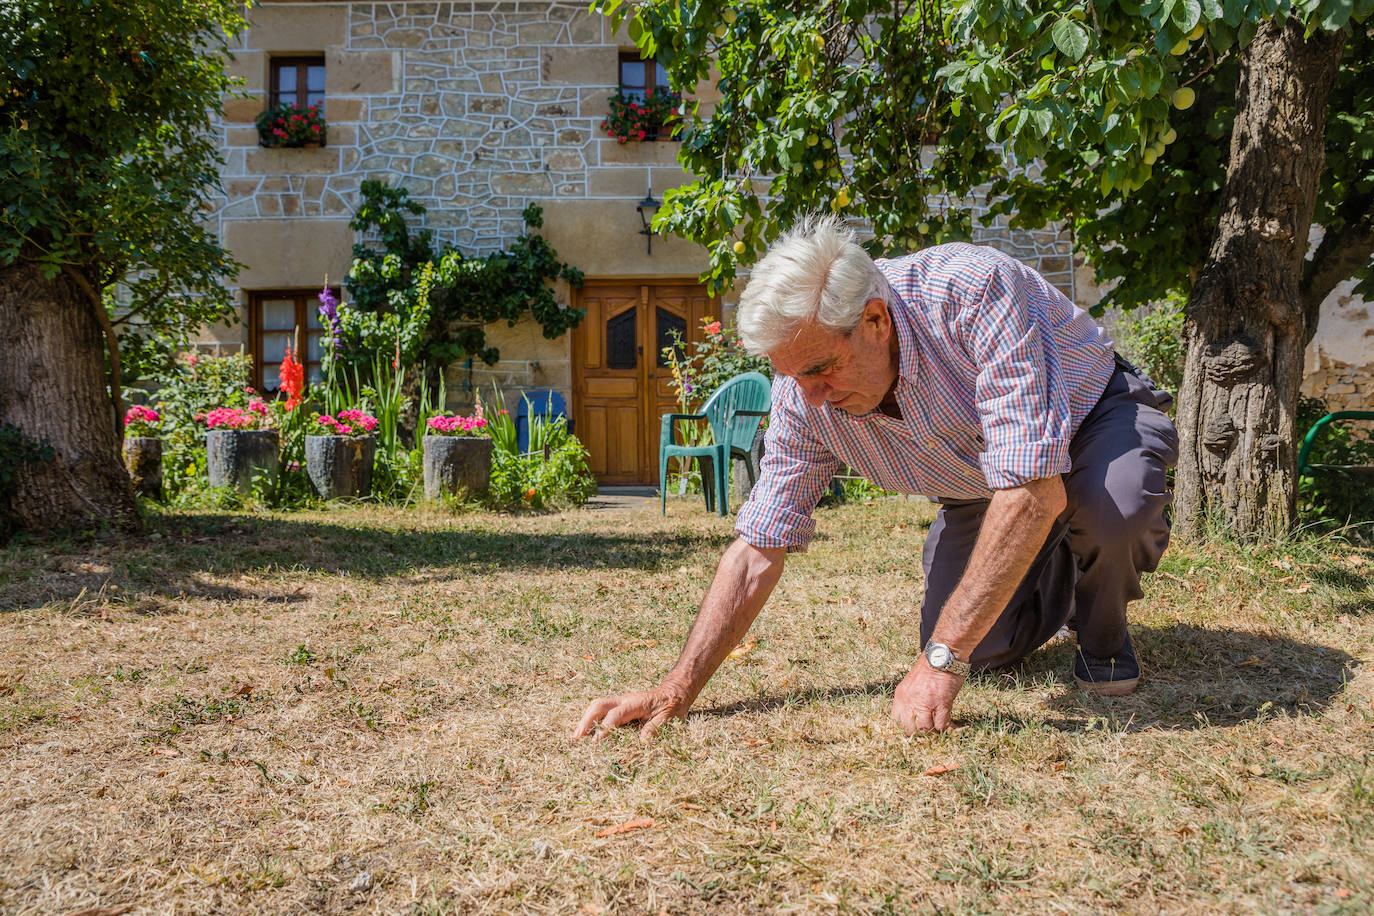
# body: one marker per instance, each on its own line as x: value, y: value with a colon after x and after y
x: 480, y: 108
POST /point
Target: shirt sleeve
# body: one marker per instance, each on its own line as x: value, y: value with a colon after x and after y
x: 1024, y: 408
x: 795, y: 470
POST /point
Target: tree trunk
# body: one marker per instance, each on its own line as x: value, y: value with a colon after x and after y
x: 52, y: 387
x: 1245, y: 326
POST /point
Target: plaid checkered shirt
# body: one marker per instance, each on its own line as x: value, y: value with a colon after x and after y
x: 997, y: 369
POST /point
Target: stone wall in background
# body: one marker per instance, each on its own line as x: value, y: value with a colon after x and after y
x: 480, y: 108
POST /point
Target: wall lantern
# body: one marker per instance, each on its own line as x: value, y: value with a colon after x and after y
x: 647, y: 208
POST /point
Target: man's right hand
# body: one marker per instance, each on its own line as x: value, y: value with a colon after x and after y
x: 653, y: 707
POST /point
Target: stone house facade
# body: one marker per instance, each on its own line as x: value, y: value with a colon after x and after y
x: 478, y: 108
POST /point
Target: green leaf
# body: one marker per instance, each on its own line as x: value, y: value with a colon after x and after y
x: 1070, y: 38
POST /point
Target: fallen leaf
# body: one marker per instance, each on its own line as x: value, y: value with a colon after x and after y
x: 1301, y: 589
x: 1250, y: 662
x: 639, y: 823
x: 243, y: 690
x: 103, y: 910
x: 742, y: 649
x: 592, y: 908
x: 688, y: 806
x: 940, y: 768
x: 1355, y: 560
x: 166, y: 752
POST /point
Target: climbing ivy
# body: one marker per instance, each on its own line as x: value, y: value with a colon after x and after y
x: 464, y: 292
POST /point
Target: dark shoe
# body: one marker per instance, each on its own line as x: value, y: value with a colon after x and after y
x: 1107, y: 677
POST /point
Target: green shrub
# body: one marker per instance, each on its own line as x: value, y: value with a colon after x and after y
x: 1152, y: 338
x: 1333, y: 496
x: 553, y: 473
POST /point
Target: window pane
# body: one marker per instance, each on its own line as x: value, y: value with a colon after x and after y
x: 278, y: 314
x: 667, y: 324
x: 286, y: 98
x: 314, y: 98
x: 660, y: 77
x: 314, y: 374
x: 312, y: 313
x: 270, y: 377
x: 274, y: 347
x: 314, y: 348
x: 314, y: 78
x: 286, y: 78
x: 620, y: 341
x: 632, y: 74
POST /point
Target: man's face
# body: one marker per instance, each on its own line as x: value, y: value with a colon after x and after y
x: 853, y: 373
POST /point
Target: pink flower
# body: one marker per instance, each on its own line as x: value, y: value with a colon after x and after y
x: 713, y: 328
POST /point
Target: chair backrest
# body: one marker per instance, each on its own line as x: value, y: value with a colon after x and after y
x: 750, y: 391
x: 541, y: 402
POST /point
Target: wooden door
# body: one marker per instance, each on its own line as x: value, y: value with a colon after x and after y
x: 621, y: 382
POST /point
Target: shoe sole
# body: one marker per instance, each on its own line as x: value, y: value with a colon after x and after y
x: 1108, y: 688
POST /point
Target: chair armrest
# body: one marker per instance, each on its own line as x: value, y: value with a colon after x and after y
x: 751, y: 413
x: 667, y: 425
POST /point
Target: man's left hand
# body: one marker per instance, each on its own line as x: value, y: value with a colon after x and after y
x: 925, y: 698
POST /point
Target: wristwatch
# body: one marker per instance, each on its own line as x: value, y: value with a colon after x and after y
x: 941, y: 657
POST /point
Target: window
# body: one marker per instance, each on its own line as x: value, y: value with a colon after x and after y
x: 274, y: 319
x: 297, y: 81
x: 639, y: 77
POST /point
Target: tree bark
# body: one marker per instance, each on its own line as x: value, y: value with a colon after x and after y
x: 52, y: 387
x: 1245, y: 324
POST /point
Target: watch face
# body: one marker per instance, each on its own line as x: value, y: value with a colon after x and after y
x: 938, y: 656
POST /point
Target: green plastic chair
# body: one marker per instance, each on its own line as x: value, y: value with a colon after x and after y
x: 1311, y: 438
x: 734, y: 413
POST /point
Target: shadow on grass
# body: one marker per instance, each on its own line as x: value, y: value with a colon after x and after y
x: 167, y: 563
x: 1192, y: 677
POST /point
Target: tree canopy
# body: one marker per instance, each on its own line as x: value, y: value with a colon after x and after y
x: 1112, y: 116
x: 106, y: 156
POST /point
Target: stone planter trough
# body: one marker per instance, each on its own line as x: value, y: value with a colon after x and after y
x: 340, y: 465
x: 143, y: 458
x: 456, y: 466
x: 233, y: 456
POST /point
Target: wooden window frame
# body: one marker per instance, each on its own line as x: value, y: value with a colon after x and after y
x: 651, y: 84
x: 302, y: 63
x: 306, y: 300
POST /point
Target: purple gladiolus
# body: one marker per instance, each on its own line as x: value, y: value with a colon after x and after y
x: 329, y: 315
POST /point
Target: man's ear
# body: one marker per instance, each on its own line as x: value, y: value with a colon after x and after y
x: 877, y: 316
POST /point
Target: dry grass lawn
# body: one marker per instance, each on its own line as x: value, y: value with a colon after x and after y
x: 364, y: 711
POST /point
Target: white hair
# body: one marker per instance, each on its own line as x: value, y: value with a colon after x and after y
x: 815, y: 273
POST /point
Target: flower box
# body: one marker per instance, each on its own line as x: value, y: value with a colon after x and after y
x: 457, y: 466
x: 288, y: 126
x: 233, y: 456
x: 143, y: 458
x: 340, y: 466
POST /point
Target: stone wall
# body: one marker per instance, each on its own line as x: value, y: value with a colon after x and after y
x: 1339, y: 364
x: 478, y: 108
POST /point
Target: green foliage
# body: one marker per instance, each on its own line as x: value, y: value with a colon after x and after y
x: 718, y: 357
x: 453, y: 293
x: 185, y: 393
x: 1152, y: 338
x: 894, y: 114
x: 1336, y: 496
x: 291, y: 125
x: 107, y: 160
x: 633, y: 118
x: 554, y: 472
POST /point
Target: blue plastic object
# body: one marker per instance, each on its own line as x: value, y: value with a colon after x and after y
x: 541, y: 402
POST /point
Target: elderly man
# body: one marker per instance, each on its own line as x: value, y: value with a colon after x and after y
x: 960, y: 374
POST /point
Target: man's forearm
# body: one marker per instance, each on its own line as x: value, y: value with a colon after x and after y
x: 1013, y: 531
x: 743, y: 581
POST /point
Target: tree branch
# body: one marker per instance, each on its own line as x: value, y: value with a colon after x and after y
x: 111, y: 342
x: 1339, y: 255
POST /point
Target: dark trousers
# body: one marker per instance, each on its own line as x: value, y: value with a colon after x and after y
x: 1114, y: 528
